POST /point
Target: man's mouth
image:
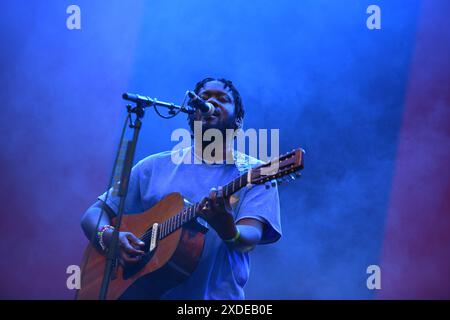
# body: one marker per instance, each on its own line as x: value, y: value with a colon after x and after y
x: 211, y: 116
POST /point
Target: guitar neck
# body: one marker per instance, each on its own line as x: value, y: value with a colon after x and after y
x: 189, y: 213
x: 286, y: 164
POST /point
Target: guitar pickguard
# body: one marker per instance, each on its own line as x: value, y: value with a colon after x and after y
x: 131, y: 270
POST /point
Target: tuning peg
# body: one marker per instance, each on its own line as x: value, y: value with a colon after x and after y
x: 292, y: 176
x: 279, y: 181
x: 298, y: 174
x: 267, y: 186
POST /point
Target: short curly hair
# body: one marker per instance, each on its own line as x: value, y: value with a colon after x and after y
x: 238, y: 105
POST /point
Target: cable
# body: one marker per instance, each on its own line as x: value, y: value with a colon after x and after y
x: 174, y: 114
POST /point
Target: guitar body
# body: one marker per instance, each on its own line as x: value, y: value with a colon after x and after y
x: 171, y: 262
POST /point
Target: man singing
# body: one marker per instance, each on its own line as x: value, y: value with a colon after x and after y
x: 237, y: 223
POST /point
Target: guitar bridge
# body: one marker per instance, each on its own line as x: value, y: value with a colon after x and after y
x: 154, y: 237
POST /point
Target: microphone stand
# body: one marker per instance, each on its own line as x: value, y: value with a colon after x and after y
x: 141, y: 103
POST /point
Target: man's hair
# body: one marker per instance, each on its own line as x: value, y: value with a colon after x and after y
x: 238, y: 106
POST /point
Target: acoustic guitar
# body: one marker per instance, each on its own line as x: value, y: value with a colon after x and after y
x: 173, y: 239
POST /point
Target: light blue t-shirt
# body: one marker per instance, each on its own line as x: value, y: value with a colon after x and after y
x: 222, y: 272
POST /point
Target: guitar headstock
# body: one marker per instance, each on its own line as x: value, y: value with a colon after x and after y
x: 288, y: 164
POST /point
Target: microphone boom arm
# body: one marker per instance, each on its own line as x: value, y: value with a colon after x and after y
x: 149, y: 102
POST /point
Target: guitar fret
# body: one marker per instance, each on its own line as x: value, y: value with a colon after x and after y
x: 161, y: 231
x: 176, y: 221
x: 165, y: 228
x: 170, y: 224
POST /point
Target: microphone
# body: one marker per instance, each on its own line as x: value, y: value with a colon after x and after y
x: 137, y: 98
x: 196, y: 102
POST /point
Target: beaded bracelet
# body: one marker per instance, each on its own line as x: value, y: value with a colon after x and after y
x: 100, y: 235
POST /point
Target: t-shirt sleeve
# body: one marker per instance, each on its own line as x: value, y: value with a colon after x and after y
x: 264, y: 205
x: 133, y: 201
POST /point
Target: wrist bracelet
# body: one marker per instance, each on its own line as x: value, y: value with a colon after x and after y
x: 100, y: 235
x: 235, y: 238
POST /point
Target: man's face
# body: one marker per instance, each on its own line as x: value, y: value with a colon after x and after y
x: 222, y: 99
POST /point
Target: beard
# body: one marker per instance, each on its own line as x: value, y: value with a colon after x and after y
x: 219, y: 123
x: 215, y: 123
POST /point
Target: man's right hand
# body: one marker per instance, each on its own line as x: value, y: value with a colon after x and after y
x: 129, y: 246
